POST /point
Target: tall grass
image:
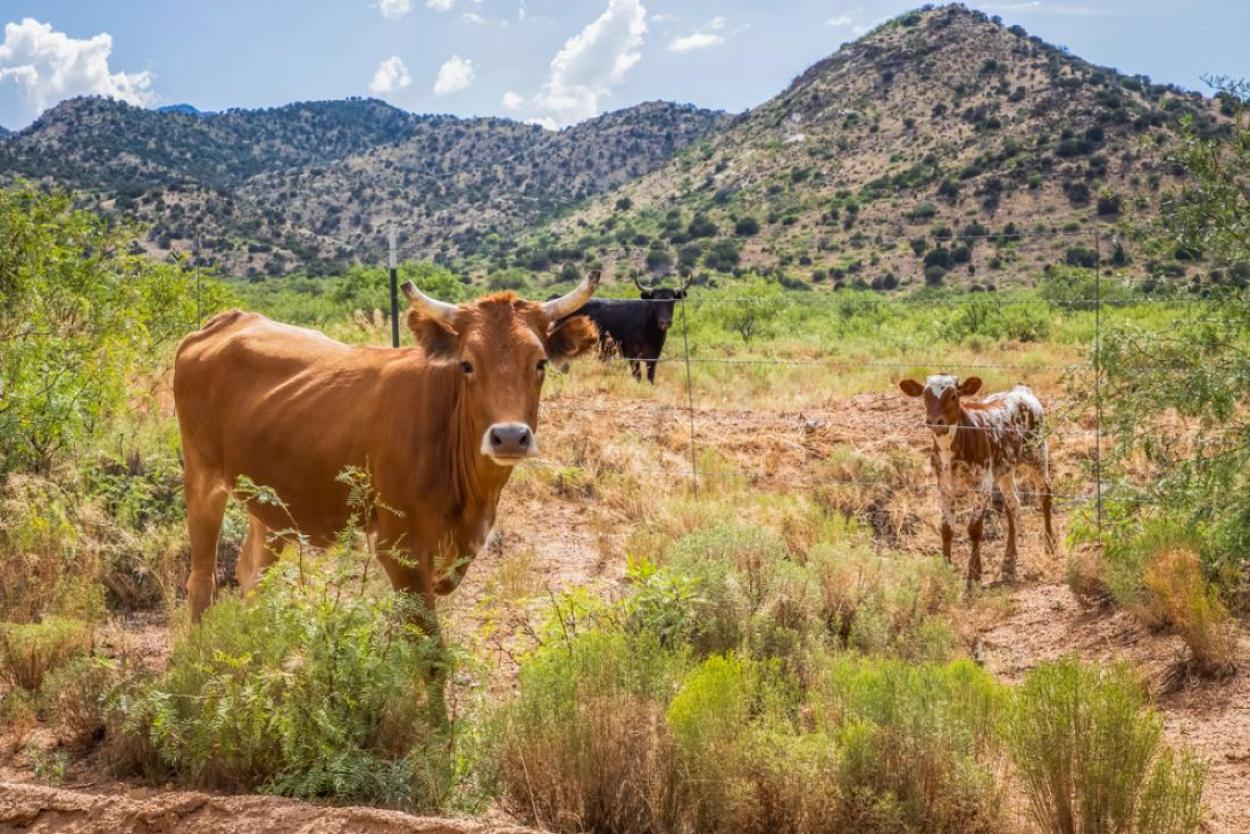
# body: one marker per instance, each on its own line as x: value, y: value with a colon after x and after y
x: 1089, y: 756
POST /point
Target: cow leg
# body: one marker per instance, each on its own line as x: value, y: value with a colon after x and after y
x: 206, y: 505
x: 1011, y: 504
x: 946, y: 500
x: 976, y: 526
x: 256, y: 556
x: 651, y: 363
x: 1044, y: 469
x: 635, y: 368
x: 413, y: 574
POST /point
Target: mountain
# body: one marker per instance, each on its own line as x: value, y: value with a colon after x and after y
x: 923, y: 151
x: 4, y: 131
x: 184, y: 109
x: 312, y: 185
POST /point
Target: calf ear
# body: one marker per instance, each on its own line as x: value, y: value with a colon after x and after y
x: 911, y: 388
x: 571, y: 338
x: 437, y: 339
x: 970, y: 386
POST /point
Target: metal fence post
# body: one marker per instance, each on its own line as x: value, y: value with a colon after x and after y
x: 1098, y: 378
x: 685, y: 340
x: 394, y: 270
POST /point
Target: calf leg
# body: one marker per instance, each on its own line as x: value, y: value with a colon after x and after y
x: 1044, y: 469
x: 206, y: 504
x: 947, y: 502
x: 976, y: 526
x: 1011, y: 504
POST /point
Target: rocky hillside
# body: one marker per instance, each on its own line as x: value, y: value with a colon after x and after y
x: 311, y: 185
x: 932, y: 149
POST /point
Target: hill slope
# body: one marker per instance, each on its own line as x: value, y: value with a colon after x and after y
x: 312, y: 184
x: 939, y: 125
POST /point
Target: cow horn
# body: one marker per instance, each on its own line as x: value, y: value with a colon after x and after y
x: 570, y: 303
x: 686, y: 284
x: 641, y: 287
x: 432, y: 307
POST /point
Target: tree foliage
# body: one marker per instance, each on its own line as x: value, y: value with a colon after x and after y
x: 79, y: 316
x: 1177, y: 398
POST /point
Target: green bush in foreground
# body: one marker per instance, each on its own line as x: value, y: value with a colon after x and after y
x: 30, y: 651
x: 1089, y: 757
x: 308, y: 689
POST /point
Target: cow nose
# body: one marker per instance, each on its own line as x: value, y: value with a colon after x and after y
x: 509, y: 440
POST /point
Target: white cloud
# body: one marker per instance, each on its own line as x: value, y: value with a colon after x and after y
x: 440, y: 5
x: 664, y: 18
x: 513, y: 100
x: 454, y: 75
x: 590, y: 64
x: 48, y: 66
x: 391, y: 75
x: 838, y: 21
x: 699, y: 39
x: 393, y: 9
x: 696, y: 40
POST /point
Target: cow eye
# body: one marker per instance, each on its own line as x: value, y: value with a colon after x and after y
x: 467, y: 367
x: 542, y: 365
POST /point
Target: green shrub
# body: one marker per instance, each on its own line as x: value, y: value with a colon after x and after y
x: 919, y: 740
x: 29, y: 651
x: 75, y: 697
x: 1089, y: 758
x: 583, y: 747
x: 310, y: 689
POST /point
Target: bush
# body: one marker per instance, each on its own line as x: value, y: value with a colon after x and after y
x: 80, y: 316
x: 1088, y: 755
x: 75, y: 696
x: 584, y: 746
x: 753, y: 309
x: 1177, y: 597
x: 746, y: 227
x: 308, y: 690
x: 29, y: 651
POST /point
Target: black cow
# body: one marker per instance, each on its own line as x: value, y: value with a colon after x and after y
x: 635, y: 327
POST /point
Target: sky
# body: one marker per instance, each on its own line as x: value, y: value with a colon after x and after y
x: 554, y: 62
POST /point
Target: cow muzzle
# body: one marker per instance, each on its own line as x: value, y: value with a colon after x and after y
x: 509, y: 443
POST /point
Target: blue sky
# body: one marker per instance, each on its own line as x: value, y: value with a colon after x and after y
x: 553, y: 61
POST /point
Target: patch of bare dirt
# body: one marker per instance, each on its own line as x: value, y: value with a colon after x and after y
x: 35, y: 809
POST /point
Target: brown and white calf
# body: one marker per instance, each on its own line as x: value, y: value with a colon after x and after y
x: 980, y: 445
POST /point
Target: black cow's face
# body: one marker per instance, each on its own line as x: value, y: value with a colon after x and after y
x: 661, y: 306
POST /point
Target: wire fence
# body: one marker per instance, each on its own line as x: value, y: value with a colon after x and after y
x: 1079, y: 421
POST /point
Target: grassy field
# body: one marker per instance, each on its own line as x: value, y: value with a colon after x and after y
x: 726, y: 618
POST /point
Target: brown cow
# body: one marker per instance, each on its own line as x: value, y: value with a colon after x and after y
x: 437, y: 428
x: 977, y: 445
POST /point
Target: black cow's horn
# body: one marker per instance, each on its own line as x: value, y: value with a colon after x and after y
x: 571, y: 302
x: 641, y: 287
x: 685, y: 285
x: 431, y: 307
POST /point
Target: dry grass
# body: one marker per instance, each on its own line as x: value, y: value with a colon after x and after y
x: 1177, y: 597
x: 30, y: 651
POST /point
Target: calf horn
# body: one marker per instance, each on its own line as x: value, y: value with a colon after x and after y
x: 431, y: 307
x: 571, y: 302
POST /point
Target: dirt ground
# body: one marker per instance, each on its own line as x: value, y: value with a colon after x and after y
x: 561, y: 541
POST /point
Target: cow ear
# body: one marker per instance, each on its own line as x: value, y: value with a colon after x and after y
x: 647, y: 294
x: 970, y: 386
x: 911, y: 388
x: 571, y: 338
x: 680, y: 294
x: 437, y: 339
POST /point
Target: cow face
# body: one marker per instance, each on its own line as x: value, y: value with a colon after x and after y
x: 660, y: 308
x: 941, y: 394
x: 501, y: 347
